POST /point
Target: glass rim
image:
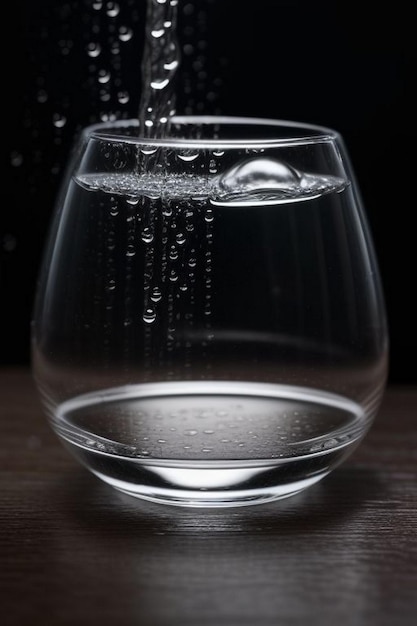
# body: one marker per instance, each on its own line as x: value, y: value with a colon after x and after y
x: 307, y: 133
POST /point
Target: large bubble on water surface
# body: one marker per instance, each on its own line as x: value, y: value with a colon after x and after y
x: 270, y: 181
x: 259, y: 174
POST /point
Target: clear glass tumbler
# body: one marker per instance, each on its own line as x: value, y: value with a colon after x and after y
x: 209, y: 327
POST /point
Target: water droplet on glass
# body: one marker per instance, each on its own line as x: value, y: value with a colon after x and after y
x: 180, y: 238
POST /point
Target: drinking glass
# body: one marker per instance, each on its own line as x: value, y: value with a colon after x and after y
x: 209, y: 326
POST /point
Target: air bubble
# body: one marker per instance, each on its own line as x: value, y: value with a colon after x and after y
x: 188, y: 155
x: 148, y: 151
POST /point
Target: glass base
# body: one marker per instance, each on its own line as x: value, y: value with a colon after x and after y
x: 237, y: 496
x: 210, y: 444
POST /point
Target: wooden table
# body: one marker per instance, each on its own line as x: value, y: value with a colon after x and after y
x: 75, y: 552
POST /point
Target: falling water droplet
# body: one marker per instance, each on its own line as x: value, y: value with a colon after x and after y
x: 158, y: 33
x: 156, y: 294
x: 123, y: 97
x: 103, y: 76
x: 42, y: 96
x: 149, y: 315
x: 59, y: 120
x: 173, y: 254
x: 209, y: 216
x: 93, y: 49
x: 16, y: 159
x: 159, y: 84
x: 147, y: 235
x: 125, y: 33
x: 112, y: 9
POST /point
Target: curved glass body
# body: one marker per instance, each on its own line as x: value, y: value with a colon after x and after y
x: 209, y: 327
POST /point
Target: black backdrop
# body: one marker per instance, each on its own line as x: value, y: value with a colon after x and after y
x: 333, y: 64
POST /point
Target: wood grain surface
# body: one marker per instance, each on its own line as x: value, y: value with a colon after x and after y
x: 73, y: 551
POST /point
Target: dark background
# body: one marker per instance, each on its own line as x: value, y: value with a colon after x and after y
x: 348, y: 67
